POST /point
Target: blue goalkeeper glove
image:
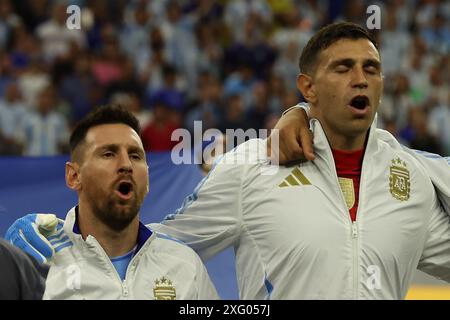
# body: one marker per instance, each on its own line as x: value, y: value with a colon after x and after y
x: 39, y: 235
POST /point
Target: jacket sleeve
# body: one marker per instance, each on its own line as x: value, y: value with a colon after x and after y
x: 435, y: 259
x: 438, y: 169
x: 205, y: 287
x: 209, y: 220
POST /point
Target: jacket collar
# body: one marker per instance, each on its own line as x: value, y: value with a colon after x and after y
x: 322, y: 147
x: 72, y: 229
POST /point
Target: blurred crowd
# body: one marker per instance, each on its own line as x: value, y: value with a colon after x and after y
x: 229, y: 63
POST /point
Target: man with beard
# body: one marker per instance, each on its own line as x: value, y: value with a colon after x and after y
x: 103, y: 251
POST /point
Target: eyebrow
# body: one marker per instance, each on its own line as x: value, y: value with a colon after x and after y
x: 351, y: 62
x: 115, y: 148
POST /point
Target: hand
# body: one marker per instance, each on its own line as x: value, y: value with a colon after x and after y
x: 295, y: 138
x: 33, y: 233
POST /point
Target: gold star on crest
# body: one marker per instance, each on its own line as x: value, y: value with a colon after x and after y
x: 400, y: 162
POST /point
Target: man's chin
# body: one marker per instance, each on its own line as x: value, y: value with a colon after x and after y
x: 119, y: 214
x: 120, y: 221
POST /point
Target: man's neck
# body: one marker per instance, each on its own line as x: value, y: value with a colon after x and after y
x: 338, y: 142
x: 115, y: 243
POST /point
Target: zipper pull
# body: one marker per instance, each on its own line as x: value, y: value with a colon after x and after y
x: 354, y: 230
x: 124, y: 289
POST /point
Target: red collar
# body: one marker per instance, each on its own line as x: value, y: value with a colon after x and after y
x: 348, y: 160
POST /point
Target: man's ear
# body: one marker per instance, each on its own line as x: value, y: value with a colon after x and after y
x: 306, y: 87
x: 73, y: 180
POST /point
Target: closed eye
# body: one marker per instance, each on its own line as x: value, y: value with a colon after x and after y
x: 371, y: 69
x: 341, y: 69
x: 136, y: 156
x: 108, y: 154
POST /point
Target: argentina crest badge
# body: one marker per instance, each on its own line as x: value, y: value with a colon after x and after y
x: 164, y: 289
x: 399, y: 182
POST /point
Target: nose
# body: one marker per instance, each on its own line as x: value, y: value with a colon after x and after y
x: 125, y: 165
x: 359, y: 79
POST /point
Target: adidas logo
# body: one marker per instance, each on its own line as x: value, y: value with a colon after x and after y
x: 296, y: 178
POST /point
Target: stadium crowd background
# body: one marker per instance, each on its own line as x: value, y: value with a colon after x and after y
x: 231, y: 64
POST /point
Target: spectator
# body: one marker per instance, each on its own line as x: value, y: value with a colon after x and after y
x: 156, y: 136
x: 12, y: 113
x: 422, y: 138
x: 8, y: 21
x: 55, y: 36
x: 108, y: 65
x: 134, y: 33
x: 33, y: 80
x: 208, y: 107
x: 44, y: 132
x: 440, y: 124
x: 237, y: 13
x: 234, y: 115
x: 77, y: 88
x: 259, y: 109
x: 181, y: 44
x: 394, y: 43
x: 132, y: 102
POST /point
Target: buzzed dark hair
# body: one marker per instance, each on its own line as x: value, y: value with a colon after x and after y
x: 101, y: 115
x: 325, y: 37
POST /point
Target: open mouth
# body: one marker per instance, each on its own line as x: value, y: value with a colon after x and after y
x: 124, y: 190
x: 359, y: 102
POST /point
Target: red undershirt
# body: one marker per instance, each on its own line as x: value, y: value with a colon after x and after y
x: 348, y: 166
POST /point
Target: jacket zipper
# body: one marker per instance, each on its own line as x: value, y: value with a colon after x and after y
x: 354, y: 231
x: 101, y: 251
x: 355, y: 258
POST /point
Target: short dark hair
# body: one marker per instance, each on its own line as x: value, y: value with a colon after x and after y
x: 325, y: 37
x: 101, y: 115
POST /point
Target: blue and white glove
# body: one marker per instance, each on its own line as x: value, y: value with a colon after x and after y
x: 39, y: 235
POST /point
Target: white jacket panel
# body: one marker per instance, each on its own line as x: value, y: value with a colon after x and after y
x: 162, y: 268
x: 292, y: 232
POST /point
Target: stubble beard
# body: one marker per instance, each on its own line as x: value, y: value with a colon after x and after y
x: 114, y: 214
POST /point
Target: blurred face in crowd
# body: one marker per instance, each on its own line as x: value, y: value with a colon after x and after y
x: 59, y: 13
x: 46, y: 100
x: 141, y: 15
x: 5, y: 8
x: 83, y: 65
x: 111, y: 174
x: 345, y: 88
x: 12, y: 93
x: 291, y: 98
x: 235, y: 108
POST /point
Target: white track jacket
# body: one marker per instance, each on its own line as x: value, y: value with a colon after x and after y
x: 161, y: 268
x: 291, y: 229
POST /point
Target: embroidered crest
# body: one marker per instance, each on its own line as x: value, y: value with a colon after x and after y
x: 348, y: 191
x: 164, y: 290
x: 399, y: 184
